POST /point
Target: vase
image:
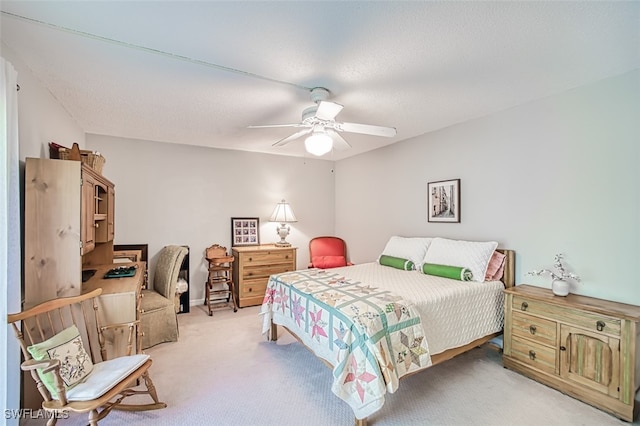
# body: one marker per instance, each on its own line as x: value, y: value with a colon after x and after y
x: 560, y: 287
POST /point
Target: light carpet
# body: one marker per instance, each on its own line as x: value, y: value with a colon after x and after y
x: 223, y: 372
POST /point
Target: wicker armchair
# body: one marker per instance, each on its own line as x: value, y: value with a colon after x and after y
x: 158, y: 318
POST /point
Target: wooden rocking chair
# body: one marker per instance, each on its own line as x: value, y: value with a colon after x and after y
x: 53, y: 336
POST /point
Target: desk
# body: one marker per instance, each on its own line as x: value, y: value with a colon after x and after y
x: 119, y: 303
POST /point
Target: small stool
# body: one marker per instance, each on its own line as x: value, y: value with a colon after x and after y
x: 219, y: 288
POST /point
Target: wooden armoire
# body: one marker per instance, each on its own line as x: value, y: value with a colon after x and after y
x: 69, y: 224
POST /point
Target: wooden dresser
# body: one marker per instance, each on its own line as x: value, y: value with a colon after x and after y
x: 252, y: 267
x: 587, y: 348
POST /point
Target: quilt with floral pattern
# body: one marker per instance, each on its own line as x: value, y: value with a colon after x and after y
x: 371, y: 336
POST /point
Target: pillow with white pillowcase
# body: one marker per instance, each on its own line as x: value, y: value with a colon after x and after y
x: 410, y: 248
x: 466, y: 254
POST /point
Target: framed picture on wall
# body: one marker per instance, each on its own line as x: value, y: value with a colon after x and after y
x: 443, y: 201
x: 245, y: 231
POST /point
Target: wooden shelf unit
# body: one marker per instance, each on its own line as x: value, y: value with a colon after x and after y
x: 585, y: 347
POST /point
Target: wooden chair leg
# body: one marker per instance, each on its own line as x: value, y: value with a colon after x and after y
x: 150, y: 387
x: 207, y: 296
x: 53, y: 419
x: 94, y: 416
x: 151, y: 391
x: 232, y: 290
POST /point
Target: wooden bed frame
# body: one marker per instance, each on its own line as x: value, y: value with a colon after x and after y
x: 508, y: 278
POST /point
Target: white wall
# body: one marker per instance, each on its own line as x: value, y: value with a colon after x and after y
x: 41, y: 120
x: 177, y: 194
x: 557, y: 175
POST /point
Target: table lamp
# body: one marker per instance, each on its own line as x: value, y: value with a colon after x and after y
x: 283, y: 214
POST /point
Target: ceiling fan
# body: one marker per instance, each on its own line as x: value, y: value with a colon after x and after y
x: 319, y: 123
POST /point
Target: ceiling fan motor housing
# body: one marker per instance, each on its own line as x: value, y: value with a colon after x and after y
x: 319, y: 94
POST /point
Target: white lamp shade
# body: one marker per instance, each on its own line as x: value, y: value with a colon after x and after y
x: 283, y: 213
x: 319, y: 143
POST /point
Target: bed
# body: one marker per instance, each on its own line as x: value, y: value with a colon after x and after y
x: 374, y: 324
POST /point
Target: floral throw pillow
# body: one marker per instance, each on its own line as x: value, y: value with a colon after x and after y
x: 75, y: 362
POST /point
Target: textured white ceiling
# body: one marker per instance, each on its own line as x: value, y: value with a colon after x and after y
x: 200, y: 72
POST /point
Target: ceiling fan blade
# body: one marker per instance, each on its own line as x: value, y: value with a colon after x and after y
x: 328, y: 110
x: 266, y: 126
x: 366, y: 129
x: 339, y: 142
x: 292, y: 137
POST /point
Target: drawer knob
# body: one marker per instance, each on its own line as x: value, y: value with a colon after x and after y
x: 600, y: 325
x: 524, y: 306
x: 532, y: 329
x: 250, y: 259
x: 532, y: 355
x: 250, y: 289
x: 563, y: 348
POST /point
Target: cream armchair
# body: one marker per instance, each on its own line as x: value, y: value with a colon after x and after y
x: 158, y: 309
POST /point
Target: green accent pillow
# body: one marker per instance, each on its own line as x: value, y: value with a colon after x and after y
x: 446, y: 271
x: 75, y: 363
x: 396, y: 262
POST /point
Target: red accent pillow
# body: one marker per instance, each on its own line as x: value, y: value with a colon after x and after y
x: 324, y: 262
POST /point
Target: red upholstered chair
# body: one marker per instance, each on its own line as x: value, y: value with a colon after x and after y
x: 328, y: 252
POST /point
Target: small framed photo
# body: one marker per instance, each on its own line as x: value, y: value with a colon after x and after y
x: 245, y: 231
x: 443, y: 201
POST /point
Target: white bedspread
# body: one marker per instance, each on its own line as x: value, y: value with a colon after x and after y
x: 453, y: 313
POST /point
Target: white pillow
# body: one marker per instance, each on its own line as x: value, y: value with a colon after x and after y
x: 466, y: 254
x: 410, y: 248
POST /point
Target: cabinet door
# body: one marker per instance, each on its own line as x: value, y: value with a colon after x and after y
x: 111, y: 213
x: 52, y: 226
x: 87, y: 228
x: 590, y: 359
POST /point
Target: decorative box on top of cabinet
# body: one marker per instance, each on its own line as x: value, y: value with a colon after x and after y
x: 252, y: 267
x: 585, y: 347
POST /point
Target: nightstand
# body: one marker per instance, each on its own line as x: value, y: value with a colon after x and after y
x: 253, y: 267
x: 585, y: 347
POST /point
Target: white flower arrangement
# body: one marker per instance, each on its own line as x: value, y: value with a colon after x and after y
x: 559, y: 274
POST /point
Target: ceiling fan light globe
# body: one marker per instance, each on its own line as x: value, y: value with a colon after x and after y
x: 318, y: 144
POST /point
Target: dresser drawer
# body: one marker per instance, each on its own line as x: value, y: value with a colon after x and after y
x: 587, y: 320
x: 267, y: 257
x: 251, y: 288
x: 265, y: 271
x: 536, y: 355
x: 534, y: 328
